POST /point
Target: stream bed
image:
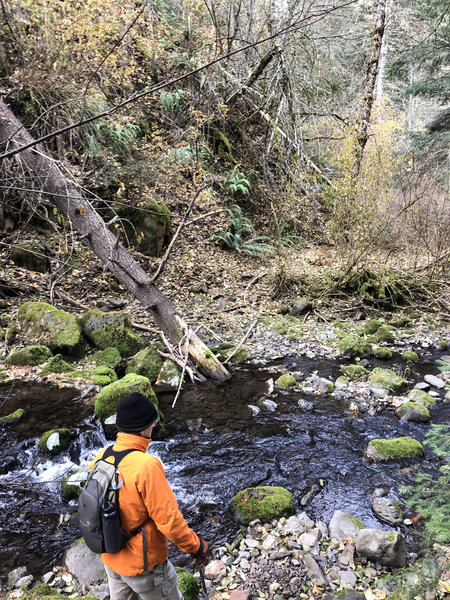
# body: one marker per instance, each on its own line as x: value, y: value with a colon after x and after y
x: 215, y: 446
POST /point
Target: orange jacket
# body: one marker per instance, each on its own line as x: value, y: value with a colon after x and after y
x: 146, y: 493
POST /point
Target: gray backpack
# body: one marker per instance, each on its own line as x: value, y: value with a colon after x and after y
x: 98, y: 507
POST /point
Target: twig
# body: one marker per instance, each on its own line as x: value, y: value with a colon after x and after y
x: 254, y: 280
x: 215, y: 336
x: 186, y: 358
x: 228, y: 358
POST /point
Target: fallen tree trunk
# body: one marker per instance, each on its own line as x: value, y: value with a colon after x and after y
x: 65, y: 195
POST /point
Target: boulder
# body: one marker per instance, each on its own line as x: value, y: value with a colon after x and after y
x: 44, y: 324
x: 354, y: 345
x: 382, y: 353
x: 384, y: 547
x: 169, y: 375
x: 147, y: 363
x: 111, y: 330
x: 109, y: 357
x: 55, y: 440
x: 286, y: 381
x: 187, y: 584
x: 83, y: 564
x: 264, y: 503
x: 343, y: 525
x: 413, y: 411
x: 394, y: 449
x: 29, y: 356
x: 31, y: 256
x: 57, y: 365
x: 147, y: 226
x: 301, y: 307
x: 388, y: 380
x: 388, y: 510
x: 417, y: 395
x: 354, y: 371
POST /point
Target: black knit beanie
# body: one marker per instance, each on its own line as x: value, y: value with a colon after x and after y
x: 135, y: 413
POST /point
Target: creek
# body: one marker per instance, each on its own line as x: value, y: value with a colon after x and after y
x: 214, y: 447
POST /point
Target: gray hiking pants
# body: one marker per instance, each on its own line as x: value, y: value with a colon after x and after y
x: 159, y: 584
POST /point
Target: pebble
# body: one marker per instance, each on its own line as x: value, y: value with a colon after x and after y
x: 435, y: 381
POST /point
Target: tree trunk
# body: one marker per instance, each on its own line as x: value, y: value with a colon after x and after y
x: 362, y: 129
x: 66, y: 196
x: 383, y: 53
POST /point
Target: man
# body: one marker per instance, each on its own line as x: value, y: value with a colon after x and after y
x: 142, y: 567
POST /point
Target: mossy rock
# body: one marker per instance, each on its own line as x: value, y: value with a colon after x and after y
x: 147, y: 362
x: 264, y: 502
x: 354, y: 345
x: 354, y: 371
x: 384, y: 334
x: 413, y: 411
x: 11, y: 334
x: 41, y: 590
x: 55, y: 440
x: 13, y: 417
x: 422, y: 397
x: 388, y: 380
x: 69, y: 490
x: 410, y: 356
x: 44, y: 324
x: 400, y: 322
x: 372, y: 326
x: 225, y: 349
x: 395, y: 448
x: 111, y: 330
x: 382, y: 353
x: 109, y: 397
x: 286, y: 381
x: 187, y: 584
x: 31, y: 256
x: 29, y: 356
x: 57, y: 365
x: 110, y: 357
x: 103, y: 376
x: 148, y: 226
x: 169, y: 375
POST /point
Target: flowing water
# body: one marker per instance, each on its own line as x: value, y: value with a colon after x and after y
x: 214, y: 448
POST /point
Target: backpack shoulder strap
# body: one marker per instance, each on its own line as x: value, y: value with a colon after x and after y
x: 118, y: 456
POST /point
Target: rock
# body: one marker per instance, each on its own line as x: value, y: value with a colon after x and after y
x: 354, y: 371
x: 267, y: 404
x: 215, y: 570
x: 388, y: 510
x: 343, y: 525
x: 46, y: 325
x: 435, y: 381
x: 354, y: 345
x: 388, y: 380
x: 354, y: 596
x: 341, y: 383
x: 29, y: 356
x: 47, y: 577
x: 264, y: 503
x: 286, y: 381
x: 313, y: 570
x: 15, y: 575
x: 13, y: 417
x: 410, y: 356
x: 307, y: 540
x: 422, y: 386
x: 8, y: 463
x: 31, y: 256
x: 55, y: 440
x: 384, y: 334
x: 100, y: 591
x: 111, y: 330
x: 418, y: 395
x: 110, y: 357
x: 382, y: 353
x: 413, y: 411
x: 57, y: 365
x: 147, y: 363
x: 24, y: 582
x: 240, y: 595
x: 301, y: 307
x: 83, y: 564
x: 169, y: 375
x: 297, y: 524
x: 305, y: 404
x: 394, y: 449
x: 384, y: 547
x: 148, y: 226
x: 255, y: 410
x: 372, y: 326
x: 348, y: 577
x: 187, y: 584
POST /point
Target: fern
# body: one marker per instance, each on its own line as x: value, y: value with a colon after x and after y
x: 236, y: 183
x: 171, y: 100
x: 443, y: 366
x: 428, y: 495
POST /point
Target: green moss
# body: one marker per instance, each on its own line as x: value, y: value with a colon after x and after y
x: 422, y: 413
x: 443, y: 344
x: 264, y: 502
x: 69, y: 491
x: 330, y: 387
x: 103, y: 376
x: 342, y: 381
x: 111, y: 330
x: 388, y: 380
x: 382, y: 353
x: 400, y: 323
x: 384, y: 334
x: 402, y: 447
x: 57, y: 365
x: 286, y: 381
x: 60, y: 443
x: 29, y: 356
x: 372, y: 326
x: 110, y: 357
x: 359, y: 524
x: 353, y: 371
x: 422, y: 397
x: 39, y: 591
x: 43, y: 323
x: 109, y: 397
x: 187, y: 584
x: 410, y: 356
x: 354, y: 345
x: 147, y: 363
x: 11, y: 334
x: 13, y: 417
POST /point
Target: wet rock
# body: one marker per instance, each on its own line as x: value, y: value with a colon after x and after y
x: 394, y: 449
x: 215, y: 570
x: 83, y: 564
x: 15, y: 575
x: 388, y: 510
x: 388, y: 380
x: 267, y: 404
x: 435, y: 381
x: 413, y: 411
x: 47, y: 577
x: 255, y: 410
x: 305, y: 404
x: 343, y: 525
x: 384, y: 547
x: 264, y: 503
x: 24, y: 582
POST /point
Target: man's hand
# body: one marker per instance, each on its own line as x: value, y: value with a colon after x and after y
x: 200, y: 556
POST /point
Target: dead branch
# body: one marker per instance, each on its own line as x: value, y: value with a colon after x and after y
x: 242, y: 341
